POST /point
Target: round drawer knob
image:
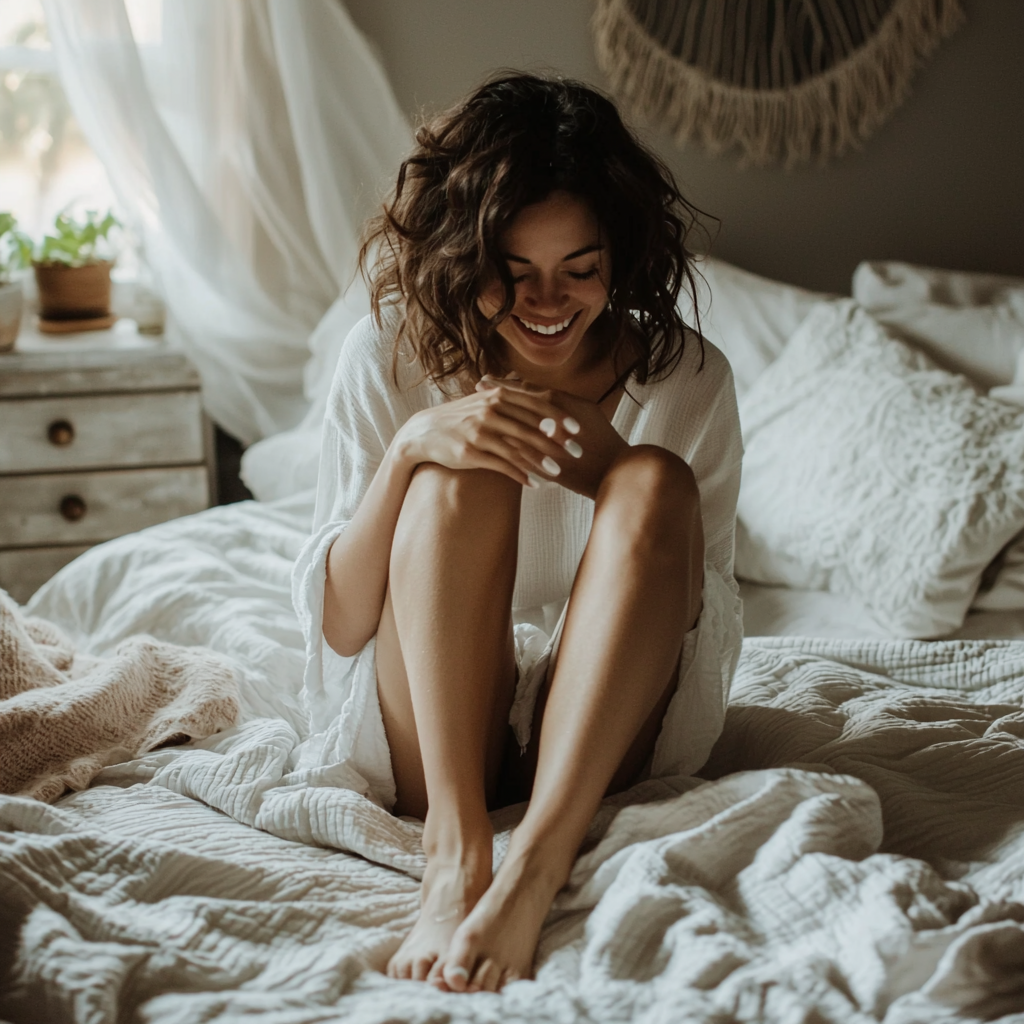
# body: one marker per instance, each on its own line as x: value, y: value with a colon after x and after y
x: 60, y: 433
x: 72, y: 508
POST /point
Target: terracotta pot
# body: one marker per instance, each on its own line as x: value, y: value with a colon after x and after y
x: 12, y: 301
x: 73, y: 293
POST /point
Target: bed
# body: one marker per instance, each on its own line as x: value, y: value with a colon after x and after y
x: 853, y: 850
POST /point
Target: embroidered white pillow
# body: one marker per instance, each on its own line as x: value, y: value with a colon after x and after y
x: 872, y: 473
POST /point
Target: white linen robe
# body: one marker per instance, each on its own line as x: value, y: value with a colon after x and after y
x: 692, y: 413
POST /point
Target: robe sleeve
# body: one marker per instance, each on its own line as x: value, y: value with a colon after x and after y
x: 365, y: 409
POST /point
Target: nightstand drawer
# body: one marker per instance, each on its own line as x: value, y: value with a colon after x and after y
x: 24, y: 570
x: 86, y: 431
x: 85, y: 508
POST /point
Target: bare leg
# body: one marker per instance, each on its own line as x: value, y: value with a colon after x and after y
x: 637, y: 593
x: 446, y: 706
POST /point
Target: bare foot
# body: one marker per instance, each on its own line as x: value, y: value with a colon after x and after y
x: 497, y: 941
x: 451, y: 887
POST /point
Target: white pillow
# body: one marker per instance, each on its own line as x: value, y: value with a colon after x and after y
x: 749, y: 318
x: 968, y: 323
x: 288, y: 463
x: 872, y: 473
x: 888, y: 284
x: 283, y: 464
x: 1002, y: 588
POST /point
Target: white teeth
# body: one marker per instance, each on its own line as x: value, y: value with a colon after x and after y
x: 546, y: 328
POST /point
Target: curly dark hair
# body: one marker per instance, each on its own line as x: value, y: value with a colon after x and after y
x: 511, y: 143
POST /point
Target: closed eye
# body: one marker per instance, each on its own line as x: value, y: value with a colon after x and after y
x: 586, y: 275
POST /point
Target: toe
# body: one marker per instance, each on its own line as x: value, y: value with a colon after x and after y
x: 487, y: 977
x: 459, y: 963
x: 456, y: 977
x: 436, y: 975
x: 421, y: 967
x: 507, y: 977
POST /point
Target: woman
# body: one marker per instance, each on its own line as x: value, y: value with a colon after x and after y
x: 522, y: 566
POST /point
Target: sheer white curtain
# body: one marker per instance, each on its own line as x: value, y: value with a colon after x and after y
x: 247, y: 143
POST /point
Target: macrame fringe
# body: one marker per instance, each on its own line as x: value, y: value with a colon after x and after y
x: 823, y: 116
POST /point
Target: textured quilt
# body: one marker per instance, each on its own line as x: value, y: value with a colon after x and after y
x: 854, y: 854
x: 866, y: 862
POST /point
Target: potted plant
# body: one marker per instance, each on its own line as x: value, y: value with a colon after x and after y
x: 72, y: 268
x: 15, y: 254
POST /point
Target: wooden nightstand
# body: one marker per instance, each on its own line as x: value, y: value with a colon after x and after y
x: 101, y: 434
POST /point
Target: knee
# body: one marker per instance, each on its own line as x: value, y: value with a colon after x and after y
x: 440, y: 499
x: 460, y: 491
x: 655, y: 501
x: 656, y: 479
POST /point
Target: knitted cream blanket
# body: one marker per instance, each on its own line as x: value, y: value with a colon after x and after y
x: 65, y: 715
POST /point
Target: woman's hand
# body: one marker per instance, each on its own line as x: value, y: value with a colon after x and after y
x: 495, y: 428
x: 586, y: 443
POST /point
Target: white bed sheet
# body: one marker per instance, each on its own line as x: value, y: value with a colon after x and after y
x: 788, y: 887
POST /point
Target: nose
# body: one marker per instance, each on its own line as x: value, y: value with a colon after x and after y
x: 546, y: 293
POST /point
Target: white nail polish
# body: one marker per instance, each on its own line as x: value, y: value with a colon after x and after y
x: 550, y: 467
x: 532, y: 482
x: 548, y: 426
x: 571, y: 425
x: 573, y: 449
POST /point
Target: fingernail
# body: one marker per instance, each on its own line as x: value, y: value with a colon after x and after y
x: 512, y: 376
x: 532, y: 482
x: 550, y: 467
x: 571, y: 425
x: 573, y: 449
x: 548, y: 426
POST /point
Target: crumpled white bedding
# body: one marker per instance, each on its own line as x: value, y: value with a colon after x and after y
x: 789, y: 890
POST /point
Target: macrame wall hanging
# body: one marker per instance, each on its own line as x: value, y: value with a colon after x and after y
x: 781, y: 81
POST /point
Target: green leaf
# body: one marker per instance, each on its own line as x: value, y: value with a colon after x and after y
x: 75, y: 242
x: 15, y: 246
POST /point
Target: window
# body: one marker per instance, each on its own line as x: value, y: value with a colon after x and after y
x: 45, y: 163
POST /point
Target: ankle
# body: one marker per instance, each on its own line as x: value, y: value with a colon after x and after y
x: 458, y: 838
x: 544, y: 862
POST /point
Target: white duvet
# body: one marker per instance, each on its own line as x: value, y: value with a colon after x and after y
x: 857, y: 855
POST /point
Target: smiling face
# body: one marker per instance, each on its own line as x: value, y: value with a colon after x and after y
x: 561, y: 268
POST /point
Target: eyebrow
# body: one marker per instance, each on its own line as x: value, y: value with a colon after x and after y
x: 565, y: 259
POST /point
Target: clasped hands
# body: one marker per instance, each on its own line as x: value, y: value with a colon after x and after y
x: 518, y: 429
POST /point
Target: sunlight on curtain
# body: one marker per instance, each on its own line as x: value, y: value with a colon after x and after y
x: 247, y: 142
x: 46, y: 165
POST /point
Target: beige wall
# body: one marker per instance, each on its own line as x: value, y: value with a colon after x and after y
x: 942, y: 183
